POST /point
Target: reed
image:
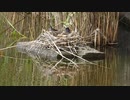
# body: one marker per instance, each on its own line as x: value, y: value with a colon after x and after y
x: 30, y: 24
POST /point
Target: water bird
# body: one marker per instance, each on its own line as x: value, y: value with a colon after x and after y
x: 52, y: 29
x: 67, y: 30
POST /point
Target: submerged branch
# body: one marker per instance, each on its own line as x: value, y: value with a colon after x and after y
x: 8, y: 48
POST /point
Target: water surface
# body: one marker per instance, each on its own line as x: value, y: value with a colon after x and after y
x: 18, y: 69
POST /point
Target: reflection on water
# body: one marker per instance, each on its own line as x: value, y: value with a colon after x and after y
x: 17, y: 69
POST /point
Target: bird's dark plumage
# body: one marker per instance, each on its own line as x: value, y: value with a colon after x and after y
x: 67, y: 30
x: 52, y: 29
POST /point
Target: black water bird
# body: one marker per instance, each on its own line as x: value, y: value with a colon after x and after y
x: 54, y: 32
x: 67, y: 30
x: 52, y: 29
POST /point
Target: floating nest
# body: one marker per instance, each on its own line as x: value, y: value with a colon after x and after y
x: 53, y: 45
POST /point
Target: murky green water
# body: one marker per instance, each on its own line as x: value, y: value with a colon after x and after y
x: 18, y: 69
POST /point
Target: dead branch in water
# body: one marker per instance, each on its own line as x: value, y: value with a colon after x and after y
x: 60, y: 44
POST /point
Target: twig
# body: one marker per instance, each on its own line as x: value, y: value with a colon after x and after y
x: 7, y: 48
x: 57, y: 64
x: 77, y: 56
x: 59, y: 52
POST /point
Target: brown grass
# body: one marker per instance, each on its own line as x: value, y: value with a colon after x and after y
x: 30, y: 24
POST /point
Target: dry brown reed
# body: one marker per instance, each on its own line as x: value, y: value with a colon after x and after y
x: 30, y: 24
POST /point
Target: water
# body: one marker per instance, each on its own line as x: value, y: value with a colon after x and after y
x: 18, y: 69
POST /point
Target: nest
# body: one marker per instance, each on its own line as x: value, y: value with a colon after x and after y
x: 49, y: 44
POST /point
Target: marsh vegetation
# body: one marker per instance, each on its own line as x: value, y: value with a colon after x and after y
x: 19, y: 69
